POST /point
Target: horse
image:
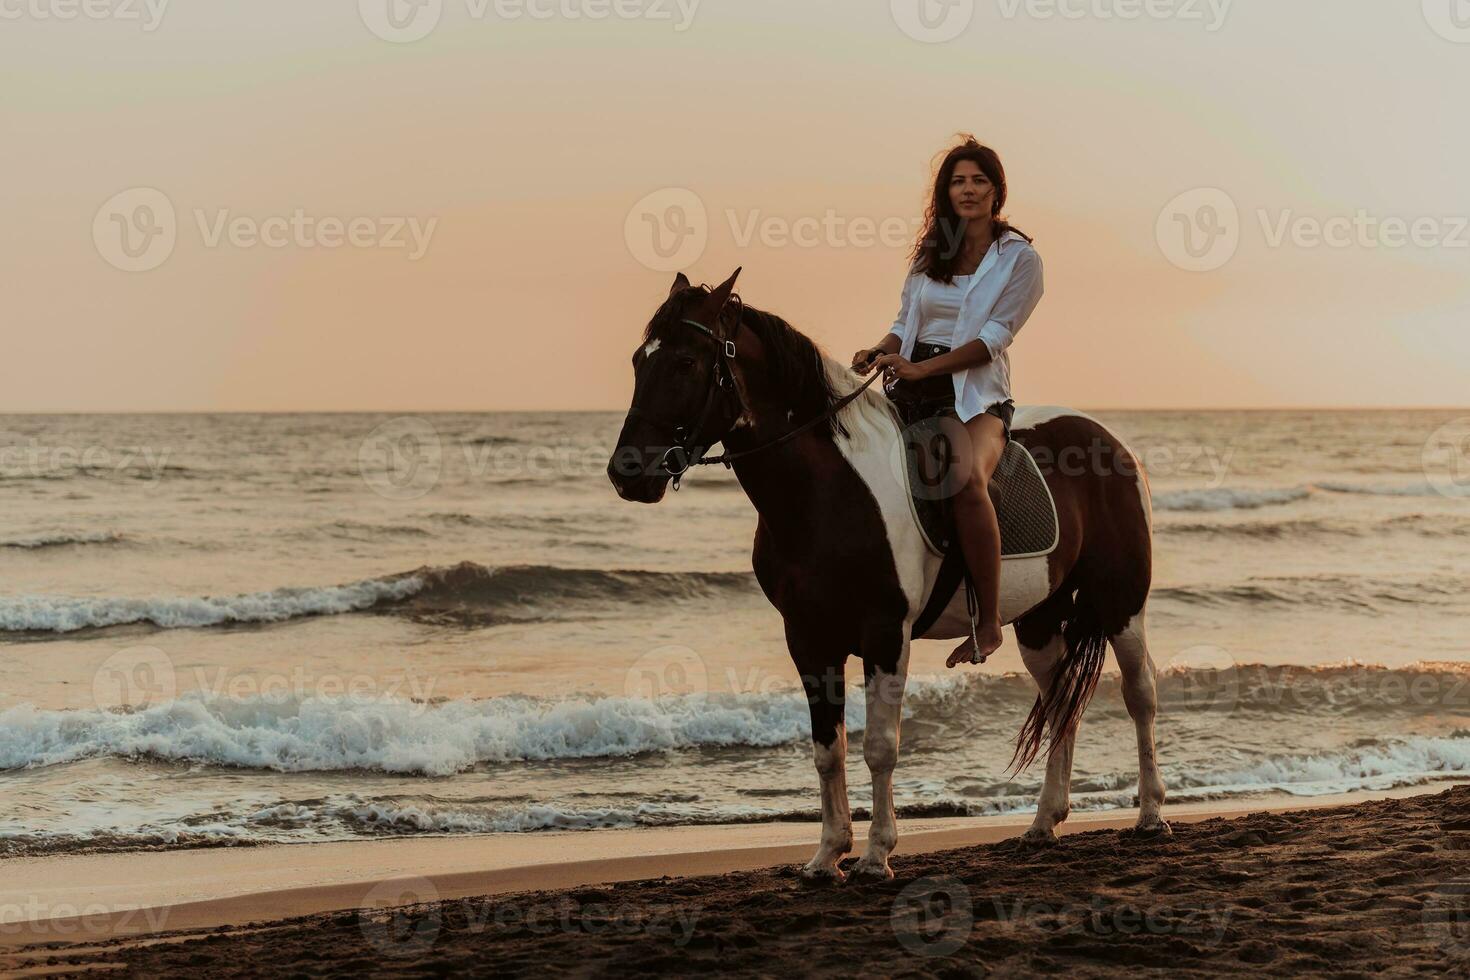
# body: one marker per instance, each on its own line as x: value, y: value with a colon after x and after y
x: 838, y: 550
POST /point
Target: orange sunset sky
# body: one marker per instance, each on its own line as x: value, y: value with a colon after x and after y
x: 521, y: 138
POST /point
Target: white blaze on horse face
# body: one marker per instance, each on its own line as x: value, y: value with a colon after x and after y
x: 650, y: 347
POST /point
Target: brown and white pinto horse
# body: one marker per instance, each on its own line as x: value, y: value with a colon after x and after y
x: 839, y: 553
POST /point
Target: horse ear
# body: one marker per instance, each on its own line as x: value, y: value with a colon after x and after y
x: 681, y: 281
x: 721, y: 295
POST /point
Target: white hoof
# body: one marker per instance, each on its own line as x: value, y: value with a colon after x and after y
x: 870, y: 870
x: 822, y: 874
x: 1039, y: 837
x: 1154, y: 827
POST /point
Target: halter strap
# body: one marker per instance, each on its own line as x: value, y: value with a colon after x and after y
x: 724, y: 373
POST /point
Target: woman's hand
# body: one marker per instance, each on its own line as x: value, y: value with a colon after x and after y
x: 861, y: 361
x: 901, y: 368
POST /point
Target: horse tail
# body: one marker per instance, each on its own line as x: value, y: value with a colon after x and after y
x: 1058, y: 710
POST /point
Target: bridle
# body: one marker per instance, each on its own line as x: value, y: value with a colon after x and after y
x: 723, y: 382
x: 683, y: 451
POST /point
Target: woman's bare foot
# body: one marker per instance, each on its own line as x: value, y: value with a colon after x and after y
x: 990, y: 639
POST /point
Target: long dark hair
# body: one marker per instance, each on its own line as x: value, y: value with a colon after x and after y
x: 938, y: 245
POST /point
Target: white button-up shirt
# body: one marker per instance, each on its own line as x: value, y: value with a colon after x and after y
x: 1001, y: 295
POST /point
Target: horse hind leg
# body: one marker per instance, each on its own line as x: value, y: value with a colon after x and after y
x: 1054, y: 804
x: 1140, y: 694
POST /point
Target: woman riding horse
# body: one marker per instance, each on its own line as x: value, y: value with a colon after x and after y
x: 973, y: 283
x: 838, y: 549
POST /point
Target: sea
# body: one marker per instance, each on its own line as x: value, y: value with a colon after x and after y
x: 228, y: 630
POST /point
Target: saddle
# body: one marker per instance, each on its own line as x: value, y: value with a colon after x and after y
x: 1023, y: 503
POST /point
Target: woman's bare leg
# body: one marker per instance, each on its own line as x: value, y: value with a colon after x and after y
x: 980, y: 536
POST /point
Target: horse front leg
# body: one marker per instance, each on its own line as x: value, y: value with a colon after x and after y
x: 824, y: 692
x: 885, y: 670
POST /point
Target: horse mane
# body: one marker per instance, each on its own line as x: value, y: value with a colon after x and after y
x: 793, y: 361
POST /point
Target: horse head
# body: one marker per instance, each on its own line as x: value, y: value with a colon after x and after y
x: 684, y: 395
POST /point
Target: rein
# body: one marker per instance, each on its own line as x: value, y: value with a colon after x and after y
x: 724, y: 377
x: 837, y: 406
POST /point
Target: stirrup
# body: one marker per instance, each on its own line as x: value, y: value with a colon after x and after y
x: 972, y: 606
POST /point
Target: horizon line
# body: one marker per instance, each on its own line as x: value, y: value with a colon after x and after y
x: 589, y: 411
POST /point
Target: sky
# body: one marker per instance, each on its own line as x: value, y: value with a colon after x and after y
x: 342, y: 205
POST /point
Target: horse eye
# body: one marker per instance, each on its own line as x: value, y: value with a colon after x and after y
x: 685, y: 363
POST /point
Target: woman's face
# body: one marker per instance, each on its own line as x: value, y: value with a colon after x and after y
x: 971, y: 192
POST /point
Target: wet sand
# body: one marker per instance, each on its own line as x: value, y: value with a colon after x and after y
x: 1378, y: 887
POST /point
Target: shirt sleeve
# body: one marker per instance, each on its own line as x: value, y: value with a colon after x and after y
x: 906, y: 300
x: 1019, y: 297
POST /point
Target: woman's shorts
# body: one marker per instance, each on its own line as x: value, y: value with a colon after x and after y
x: 935, y: 396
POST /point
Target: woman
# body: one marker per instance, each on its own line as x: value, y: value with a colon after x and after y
x: 973, y: 283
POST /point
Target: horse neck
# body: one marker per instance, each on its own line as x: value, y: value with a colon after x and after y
x: 784, y: 481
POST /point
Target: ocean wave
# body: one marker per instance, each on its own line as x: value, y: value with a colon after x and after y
x: 66, y: 614
x: 1377, y: 765
x: 415, y: 738
x: 364, y: 531
x: 1415, y: 489
x: 400, y: 736
x: 1228, y: 498
x: 475, y: 595
x: 296, y: 734
x: 1382, y: 764
x: 1338, y: 691
x: 1205, y: 499
x: 60, y: 539
x: 1423, y: 525
x: 1341, y: 592
x: 466, y: 594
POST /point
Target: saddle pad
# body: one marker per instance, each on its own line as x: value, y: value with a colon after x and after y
x: 1023, y: 502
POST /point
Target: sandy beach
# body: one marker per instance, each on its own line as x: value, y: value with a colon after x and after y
x: 1375, y: 886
